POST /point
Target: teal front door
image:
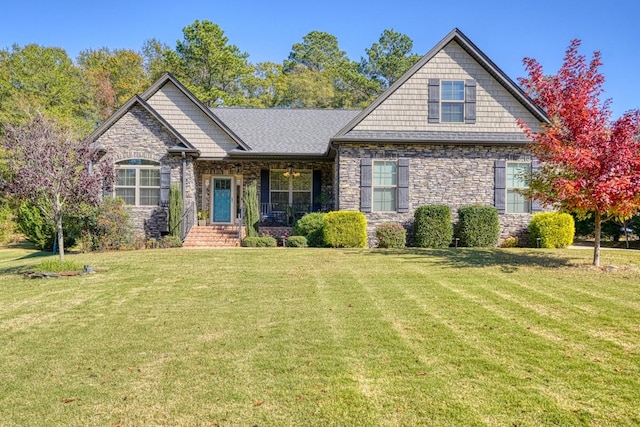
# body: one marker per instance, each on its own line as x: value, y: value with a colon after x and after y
x: 222, y: 199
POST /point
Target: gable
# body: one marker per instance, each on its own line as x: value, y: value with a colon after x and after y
x: 403, y: 111
x: 191, y: 121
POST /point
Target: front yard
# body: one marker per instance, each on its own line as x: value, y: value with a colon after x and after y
x: 276, y: 337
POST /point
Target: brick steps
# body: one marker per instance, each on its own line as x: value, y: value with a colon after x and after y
x: 212, y: 236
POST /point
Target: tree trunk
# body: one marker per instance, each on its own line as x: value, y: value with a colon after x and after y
x: 596, y: 243
x: 60, y: 234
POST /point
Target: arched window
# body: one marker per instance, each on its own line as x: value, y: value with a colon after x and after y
x: 138, y: 182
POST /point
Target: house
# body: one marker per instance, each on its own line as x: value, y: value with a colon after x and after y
x: 445, y: 133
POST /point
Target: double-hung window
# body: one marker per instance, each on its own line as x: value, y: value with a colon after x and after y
x: 138, y: 182
x: 385, y: 185
x: 452, y: 101
x: 517, y: 180
x: 291, y: 188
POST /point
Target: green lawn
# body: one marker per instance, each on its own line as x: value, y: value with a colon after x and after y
x: 277, y: 337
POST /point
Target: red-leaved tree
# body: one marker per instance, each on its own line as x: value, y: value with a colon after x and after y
x: 590, y: 164
x: 52, y: 170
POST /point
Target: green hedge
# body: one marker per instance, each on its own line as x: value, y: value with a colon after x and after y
x: 432, y: 226
x: 391, y: 235
x: 259, y: 242
x: 478, y: 226
x: 345, y: 229
x: 310, y: 226
x: 554, y: 229
x: 297, y: 242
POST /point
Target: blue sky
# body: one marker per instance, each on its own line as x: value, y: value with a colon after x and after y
x: 506, y: 31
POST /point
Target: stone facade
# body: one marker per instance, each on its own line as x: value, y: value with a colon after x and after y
x: 139, y: 135
x: 438, y: 174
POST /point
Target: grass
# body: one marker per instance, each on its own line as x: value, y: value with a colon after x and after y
x: 264, y: 337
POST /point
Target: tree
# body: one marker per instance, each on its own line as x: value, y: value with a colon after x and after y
x: 589, y: 163
x: 210, y: 67
x: 114, y: 75
x: 36, y: 78
x: 154, y: 54
x: 317, y: 52
x: 53, y: 171
x: 389, y: 58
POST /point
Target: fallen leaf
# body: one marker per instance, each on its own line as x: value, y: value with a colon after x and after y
x: 68, y: 400
x: 597, y: 360
x: 299, y: 398
x: 421, y: 373
x: 568, y: 356
x: 618, y: 369
x: 258, y: 403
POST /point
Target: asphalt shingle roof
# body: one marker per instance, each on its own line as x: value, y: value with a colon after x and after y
x: 284, y: 130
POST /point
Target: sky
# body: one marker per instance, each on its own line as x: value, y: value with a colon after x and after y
x: 506, y: 31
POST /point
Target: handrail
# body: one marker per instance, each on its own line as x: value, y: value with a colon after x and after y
x: 186, y: 221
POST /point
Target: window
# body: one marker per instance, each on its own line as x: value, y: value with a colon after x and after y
x: 385, y: 183
x: 452, y: 101
x: 517, y: 176
x: 291, y: 188
x: 138, y: 182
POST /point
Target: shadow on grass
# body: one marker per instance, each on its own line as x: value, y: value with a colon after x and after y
x: 507, y: 260
x: 22, y: 269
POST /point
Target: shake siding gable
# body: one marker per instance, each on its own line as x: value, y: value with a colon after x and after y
x: 191, y: 122
x: 407, y: 108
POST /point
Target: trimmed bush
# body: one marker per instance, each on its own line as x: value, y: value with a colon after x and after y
x: 478, y: 226
x: 554, y: 229
x: 310, y: 226
x: 259, y: 242
x: 345, y: 229
x: 113, y: 229
x: 432, y: 226
x: 391, y: 235
x: 297, y: 242
x: 510, y: 242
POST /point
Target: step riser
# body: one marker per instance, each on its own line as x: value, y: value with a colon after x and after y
x: 211, y: 236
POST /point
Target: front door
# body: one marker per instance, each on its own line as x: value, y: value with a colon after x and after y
x: 222, y: 200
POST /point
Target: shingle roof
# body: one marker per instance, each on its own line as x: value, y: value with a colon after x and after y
x: 284, y: 131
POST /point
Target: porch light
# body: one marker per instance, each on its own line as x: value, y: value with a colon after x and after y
x: 290, y: 173
x: 238, y: 167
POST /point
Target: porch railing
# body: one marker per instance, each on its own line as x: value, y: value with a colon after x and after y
x: 280, y: 215
x: 188, y: 220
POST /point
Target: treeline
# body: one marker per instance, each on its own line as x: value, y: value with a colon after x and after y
x: 83, y: 92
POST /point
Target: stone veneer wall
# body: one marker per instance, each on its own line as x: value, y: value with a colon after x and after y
x: 138, y: 135
x: 438, y: 174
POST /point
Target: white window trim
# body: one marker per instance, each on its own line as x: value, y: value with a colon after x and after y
x: 137, y: 187
x: 374, y: 186
x: 507, y: 188
x: 452, y: 101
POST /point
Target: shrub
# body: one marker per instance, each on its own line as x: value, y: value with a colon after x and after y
x: 391, y: 235
x: 432, y: 226
x: 251, y: 210
x: 175, y: 210
x: 478, y: 226
x: 170, y: 242
x: 297, y: 242
x: 41, y: 233
x: 554, y: 229
x: 113, y: 229
x: 345, y: 229
x: 310, y: 226
x: 510, y: 242
x: 259, y: 242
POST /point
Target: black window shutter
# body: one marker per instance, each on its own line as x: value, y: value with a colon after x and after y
x: 264, y: 186
x: 317, y: 189
x: 365, y: 184
x: 165, y: 183
x: 470, y: 101
x: 536, y: 206
x: 403, y: 185
x: 500, y: 185
x: 434, y: 100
